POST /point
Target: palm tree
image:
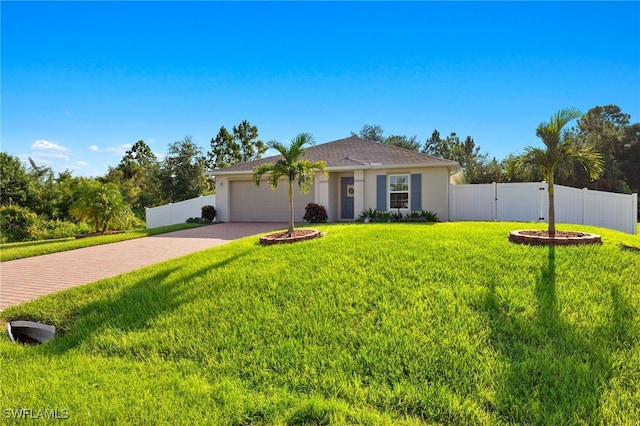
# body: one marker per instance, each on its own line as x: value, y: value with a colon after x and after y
x: 559, y: 152
x: 100, y: 205
x: 291, y: 167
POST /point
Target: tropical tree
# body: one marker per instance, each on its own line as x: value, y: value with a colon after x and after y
x: 137, y: 178
x: 402, y: 141
x: 100, y: 205
x: 371, y: 132
x: 182, y: 172
x: 246, y: 137
x: 14, y: 181
x: 560, y: 152
x: 291, y: 167
x: 606, y: 129
x: 224, y: 151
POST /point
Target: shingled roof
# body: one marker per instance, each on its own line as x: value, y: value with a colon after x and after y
x: 353, y: 153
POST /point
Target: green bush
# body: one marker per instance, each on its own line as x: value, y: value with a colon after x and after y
x: 53, y: 229
x: 209, y: 213
x: 199, y: 220
x: 366, y: 215
x: 315, y: 213
x: 372, y: 215
x: 18, y: 224
x: 134, y: 222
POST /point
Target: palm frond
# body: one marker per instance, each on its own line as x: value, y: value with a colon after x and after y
x: 590, y: 160
x: 551, y: 132
x: 278, y: 147
x: 534, y: 157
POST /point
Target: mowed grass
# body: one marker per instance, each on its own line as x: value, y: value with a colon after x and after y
x: 12, y: 251
x: 374, y: 324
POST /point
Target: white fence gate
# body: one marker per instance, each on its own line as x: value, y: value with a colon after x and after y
x: 529, y: 202
x: 179, y: 212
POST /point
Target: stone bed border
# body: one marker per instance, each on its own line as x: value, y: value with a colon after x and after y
x: 584, y: 238
x: 277, y: 239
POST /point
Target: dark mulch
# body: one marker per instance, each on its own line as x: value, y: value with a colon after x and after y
x: 96, y: 234
x: 558, y: 234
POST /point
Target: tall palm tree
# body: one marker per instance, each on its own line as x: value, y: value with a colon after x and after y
x: 559, y: 152
x: 292, y: 167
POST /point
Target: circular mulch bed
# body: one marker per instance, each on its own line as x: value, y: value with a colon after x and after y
x: 560, y: 238
x: 284, y: 238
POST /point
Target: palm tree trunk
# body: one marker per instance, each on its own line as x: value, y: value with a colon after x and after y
x: 290, y: 208
x: 552, y: 209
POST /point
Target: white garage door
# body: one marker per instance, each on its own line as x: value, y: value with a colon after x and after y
x: 250, y: 203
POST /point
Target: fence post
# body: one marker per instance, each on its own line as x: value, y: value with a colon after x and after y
x: 495, y: 202
x: 541, y: 189
x: 634, y: 213
x: 585, y: 195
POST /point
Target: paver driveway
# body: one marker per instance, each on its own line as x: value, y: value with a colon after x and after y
x: 27, y: 279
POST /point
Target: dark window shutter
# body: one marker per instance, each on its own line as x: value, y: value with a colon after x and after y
x: 381, y: 192
x: 416, y: 192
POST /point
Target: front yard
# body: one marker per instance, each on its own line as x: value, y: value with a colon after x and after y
x: 371, y: 324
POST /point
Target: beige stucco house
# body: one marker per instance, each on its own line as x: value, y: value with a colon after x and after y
x: 362, y: 174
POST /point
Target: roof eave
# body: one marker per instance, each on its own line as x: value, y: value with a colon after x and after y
x: 452, y: 166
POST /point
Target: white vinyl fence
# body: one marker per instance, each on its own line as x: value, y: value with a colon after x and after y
x: 529, y: 202
x: 173, y: 213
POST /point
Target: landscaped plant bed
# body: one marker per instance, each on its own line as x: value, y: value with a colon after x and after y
x: 284, y: 238
x: 560, y: 238
x: 97, y: 234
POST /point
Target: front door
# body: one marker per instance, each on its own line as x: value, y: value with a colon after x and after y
x: 346, y: 198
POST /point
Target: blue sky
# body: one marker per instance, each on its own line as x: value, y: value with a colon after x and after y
x: 83, y: 81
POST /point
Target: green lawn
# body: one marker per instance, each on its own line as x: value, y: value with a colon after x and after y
x: 12, y: 251
x: 374, y: 324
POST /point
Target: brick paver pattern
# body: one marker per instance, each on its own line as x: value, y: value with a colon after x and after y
x: 22, y: 280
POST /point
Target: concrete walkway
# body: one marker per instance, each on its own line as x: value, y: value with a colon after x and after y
x: 27, y: 279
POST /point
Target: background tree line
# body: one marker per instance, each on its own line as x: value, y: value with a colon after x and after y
x: 606, y: 130
x: 37, y: 203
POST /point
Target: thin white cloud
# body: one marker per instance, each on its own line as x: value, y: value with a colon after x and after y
x: 49, y: 154
x: 94, y: 148
x: 43, y: 150
x: 44, y: 145
x: 43, y: 162
x: 82, y: 163
x: 120, y: 149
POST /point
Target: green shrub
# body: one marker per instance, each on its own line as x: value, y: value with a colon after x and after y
x: 136, y: 223
x: 371, y: 215
x: 429, y: 216
x: 199, y: 220
x: 18, y: 224
x: 366, y: 215
x: 315, y: 213
x: 53, y: 229
x: 209, y: 213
